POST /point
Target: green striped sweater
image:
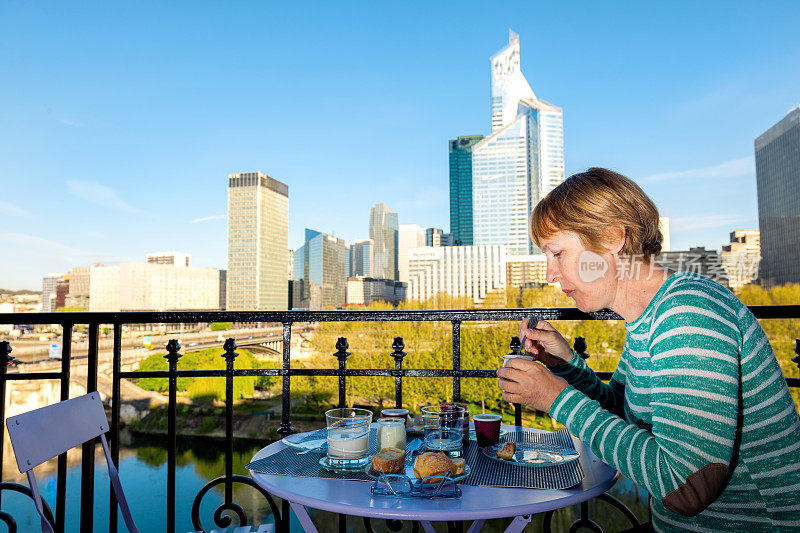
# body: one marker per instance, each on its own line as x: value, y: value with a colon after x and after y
x: 697, y: 412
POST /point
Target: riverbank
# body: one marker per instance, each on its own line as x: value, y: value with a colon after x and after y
x: 254, y: 419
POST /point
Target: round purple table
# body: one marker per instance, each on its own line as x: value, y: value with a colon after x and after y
x: 476, y: 503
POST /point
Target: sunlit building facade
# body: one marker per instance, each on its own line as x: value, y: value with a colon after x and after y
x: 741, y: 257
x: 460, y: 271
x: 520, y: 162
x: 258, y: 237
x: 410, y: 236
x: 526, y: 270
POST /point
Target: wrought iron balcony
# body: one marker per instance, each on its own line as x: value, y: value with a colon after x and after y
x: 288, y: 318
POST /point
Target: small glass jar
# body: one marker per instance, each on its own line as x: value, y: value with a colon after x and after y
x: 392, y: 433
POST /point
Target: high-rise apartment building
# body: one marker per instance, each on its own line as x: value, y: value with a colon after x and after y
x: 170, y: 258
x: 778, y: 185
x: 383, y: 230
x: 469, y: 271
x: 461, y: 188
x: 319, y: 275
x: 361, y: 260
x: 258, y: 238
x: 741, y: 257
x: 520, y: 162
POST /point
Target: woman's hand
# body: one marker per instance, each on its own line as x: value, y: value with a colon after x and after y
x: 529, y: 383
x: 544, y: 343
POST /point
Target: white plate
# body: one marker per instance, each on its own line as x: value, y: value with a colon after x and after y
x: 534, y: 454
x: 317, y: 444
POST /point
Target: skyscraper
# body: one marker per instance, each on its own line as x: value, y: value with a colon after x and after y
x: 258, y: 237
x: 520, y: 162
x: 319, y: 275
x: 383, y: 230
x: 461, y: 188
x: 361, y: 260
x: 778, y: 184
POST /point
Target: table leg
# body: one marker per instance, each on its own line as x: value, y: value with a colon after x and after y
x: 302, y: 516
x: 427, y: 527
x: 476, y: 526
x: 518, y: 524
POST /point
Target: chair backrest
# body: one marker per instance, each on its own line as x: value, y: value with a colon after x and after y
x: 39, y: 435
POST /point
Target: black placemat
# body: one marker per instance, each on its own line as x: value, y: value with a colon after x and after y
x: 485, y: 471
x: 289, y: 463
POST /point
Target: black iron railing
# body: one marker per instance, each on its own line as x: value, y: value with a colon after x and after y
x: 222, y: 515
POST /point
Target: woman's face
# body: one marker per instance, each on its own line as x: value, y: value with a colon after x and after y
x: 585, y: 276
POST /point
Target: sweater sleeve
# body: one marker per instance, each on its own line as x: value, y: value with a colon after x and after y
x: 578, y: 374
x: 684, y: 458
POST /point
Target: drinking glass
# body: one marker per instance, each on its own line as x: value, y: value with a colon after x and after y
x: 443, y: 429
x: 348, y: 438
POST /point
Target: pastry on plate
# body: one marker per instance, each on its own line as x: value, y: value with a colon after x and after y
x: 389, y: 461
x: 506, y: 452
x: 433, y: 464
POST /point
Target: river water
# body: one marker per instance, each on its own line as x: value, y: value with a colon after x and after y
x: 143, y: 470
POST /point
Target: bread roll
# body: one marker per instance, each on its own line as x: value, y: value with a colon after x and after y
x: 389, y: 461
x: 459, y: 464
x: 433, y: 464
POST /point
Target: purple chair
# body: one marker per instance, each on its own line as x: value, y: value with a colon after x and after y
x: 39, y: 435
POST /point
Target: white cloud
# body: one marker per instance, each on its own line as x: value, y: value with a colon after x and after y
x: 39, y: 247
x: 67, y: 122
x: 101, y: 195
x: 729, y: 169
x: 698, y: 222
x: 209, y: 218
x: 11, y: 209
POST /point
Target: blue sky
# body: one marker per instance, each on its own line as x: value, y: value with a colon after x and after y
x: 120, y: 122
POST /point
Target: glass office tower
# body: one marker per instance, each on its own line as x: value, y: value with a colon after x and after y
x: 461, y: 188
x: 520, y: 162
x: 778, y: 184
x: 258, y: 237
x: 319, y: 272
x: 383, y: 230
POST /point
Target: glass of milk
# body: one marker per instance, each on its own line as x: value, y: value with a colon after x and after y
x: 392, y: 433
x: 348, y: 438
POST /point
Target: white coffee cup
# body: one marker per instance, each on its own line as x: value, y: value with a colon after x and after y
x: 507, y: 358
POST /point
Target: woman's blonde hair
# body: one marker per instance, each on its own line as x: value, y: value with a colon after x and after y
x: 594, y: 204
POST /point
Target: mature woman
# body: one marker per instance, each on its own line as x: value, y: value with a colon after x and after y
x: 697, y: 411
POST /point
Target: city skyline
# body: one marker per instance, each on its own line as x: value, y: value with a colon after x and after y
x: 128, y: 160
